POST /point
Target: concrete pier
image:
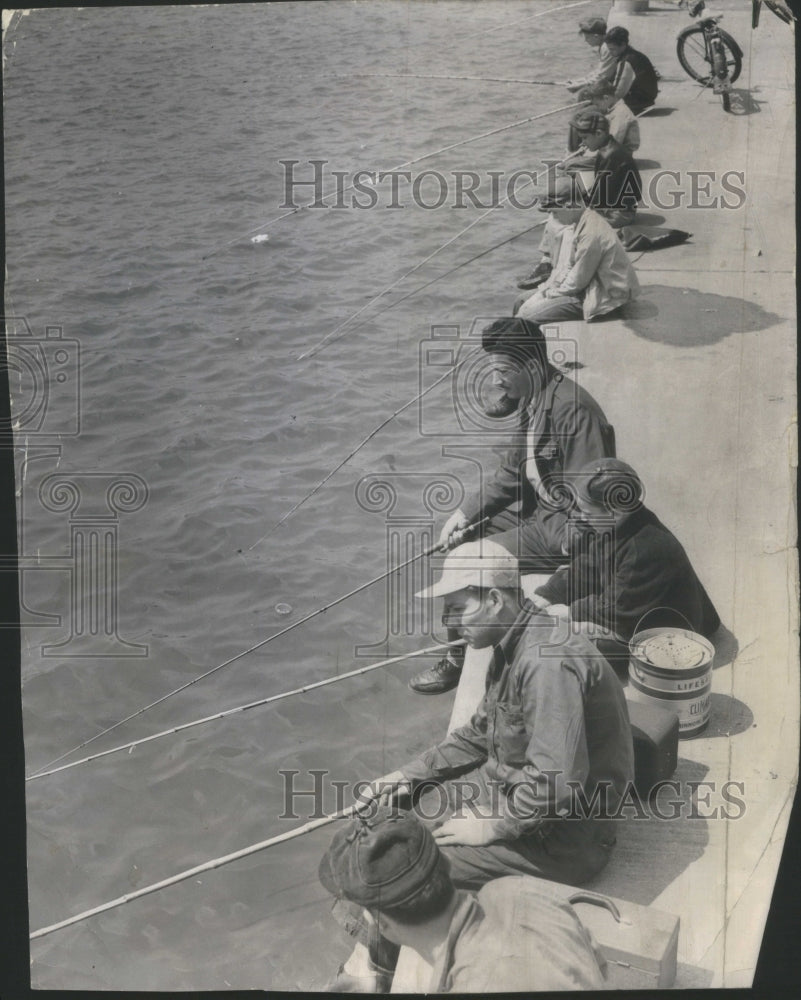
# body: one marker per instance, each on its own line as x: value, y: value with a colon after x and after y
x: 698, y: 378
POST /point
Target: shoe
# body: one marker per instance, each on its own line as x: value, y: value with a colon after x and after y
x: 443, y: 676
x: 343, y: 982
x: 540, y: 274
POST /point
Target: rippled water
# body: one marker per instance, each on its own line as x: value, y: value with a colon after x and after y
x: 139, y: 142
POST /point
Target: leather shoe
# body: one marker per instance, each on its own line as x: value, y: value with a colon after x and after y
x: 540, y: 274
x: 443, y: 676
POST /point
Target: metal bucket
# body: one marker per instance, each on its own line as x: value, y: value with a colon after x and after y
x: 672, y: 668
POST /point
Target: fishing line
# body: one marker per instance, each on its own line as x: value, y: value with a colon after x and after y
x: 400, y: 166
x: 358, y: 447
x: 528, y: 17
x: 430, y: 76
x: 258, y: 645
x: 244, y: 708
x: 332, y: 336
x: 446, y: 274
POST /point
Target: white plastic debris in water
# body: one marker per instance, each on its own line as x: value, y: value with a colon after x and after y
x: 284, y: 609
x: 261, y: 238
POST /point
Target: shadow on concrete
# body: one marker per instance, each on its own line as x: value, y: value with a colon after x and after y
x: 685, y: 317
x: 651, y: 853
x: 742, y: 103
x: 728, y: 716
x: 726, y: 647
x: 649, y: 219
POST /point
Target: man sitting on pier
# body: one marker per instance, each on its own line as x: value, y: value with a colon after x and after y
x: 511, y: 936
x: 530, y: 783
x: 625, y: 567
x: 592, y: 275
x: 561, y: 428
x: 635, y: 79
x: 593, y: 32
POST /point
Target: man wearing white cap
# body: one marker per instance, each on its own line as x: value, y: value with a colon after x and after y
x: 551, y: 728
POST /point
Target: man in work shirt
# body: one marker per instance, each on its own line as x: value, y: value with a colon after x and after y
x: 511, y: 936
x: 561, y: 428
x: 592, y: 274
x: 531, y: 782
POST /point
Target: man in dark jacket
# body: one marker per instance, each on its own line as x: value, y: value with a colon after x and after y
x: 617, y: 185
x: 626, y: 566
x: 635, y: 79
x: 561, y: 428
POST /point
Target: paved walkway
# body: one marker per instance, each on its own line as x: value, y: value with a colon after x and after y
x: 699, y: 381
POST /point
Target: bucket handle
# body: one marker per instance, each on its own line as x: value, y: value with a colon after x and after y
x: 662, y: 607
x: 585, y: 896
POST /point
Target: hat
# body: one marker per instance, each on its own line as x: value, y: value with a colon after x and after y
x: 567, y: 192
x: 590, y: 120
x: 610, y: 482
x: 481, y: 564
x: 593, y: 26
x: 617, y: 35
x: 518, y: 338
x: 380, y: 860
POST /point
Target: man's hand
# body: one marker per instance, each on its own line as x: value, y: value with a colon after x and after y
x: 572, y: 86
x: 456, y: 522
x: 472, y: 830
x: 559, y: 610
x: 384, y: 790
x: 540, y: 602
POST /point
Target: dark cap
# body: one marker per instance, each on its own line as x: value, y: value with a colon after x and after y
x: 379, y: 860
x: 566, y: 192
x: 518, y: 338
x: 617, y: 35
x: 593, y: 26
x: 610, y: 482
x: 590, y: 120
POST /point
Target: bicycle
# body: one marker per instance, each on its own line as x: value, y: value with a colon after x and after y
x: 710, y: 55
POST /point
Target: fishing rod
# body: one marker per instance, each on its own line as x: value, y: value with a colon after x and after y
x: 332, y: 335
x: 251, y: 704
x: 392, y: 305
x: 457, y: 539
x: 199, y: 869
x: 358, y: 448
x: 435, y: 76
x: 400, y: 166
x: 520, y: 20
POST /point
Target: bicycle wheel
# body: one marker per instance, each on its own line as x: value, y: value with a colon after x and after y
x: 694, y: 55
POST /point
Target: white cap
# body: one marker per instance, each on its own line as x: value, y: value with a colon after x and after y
x: 482, y: 563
